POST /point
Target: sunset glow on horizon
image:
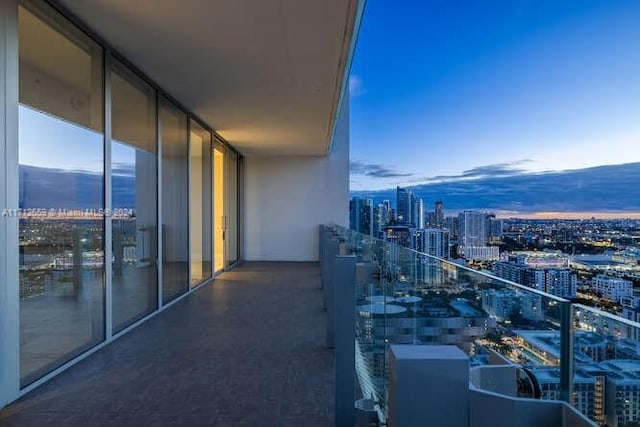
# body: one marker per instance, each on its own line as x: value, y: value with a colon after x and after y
x: 569, y: 215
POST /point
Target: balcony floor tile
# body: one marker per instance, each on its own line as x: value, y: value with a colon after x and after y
x: 246, y: 350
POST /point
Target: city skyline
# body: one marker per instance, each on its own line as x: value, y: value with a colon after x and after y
x: 500, y: 88
x: 603, y: 191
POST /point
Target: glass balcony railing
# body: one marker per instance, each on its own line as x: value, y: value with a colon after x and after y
x: 567, y: 351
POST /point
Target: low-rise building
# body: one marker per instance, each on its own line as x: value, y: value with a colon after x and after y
x: 612, y: 288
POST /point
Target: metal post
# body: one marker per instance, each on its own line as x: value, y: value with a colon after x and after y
x: 566, y: 351
x: 344, y: 366
x: 109, y: 245
x: 9, y: 252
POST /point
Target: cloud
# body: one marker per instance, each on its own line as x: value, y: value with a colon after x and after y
x: 611, y: 188
x: 374, y: 170
x: 356, y: 86
x: 495, y: 170
x: 123, y: 169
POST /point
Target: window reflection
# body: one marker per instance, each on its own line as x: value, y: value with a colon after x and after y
x: 200, y: 203
x: 62, y: 195
x: 134, y: 200
x: 61, y: 228
x: 175, y: 202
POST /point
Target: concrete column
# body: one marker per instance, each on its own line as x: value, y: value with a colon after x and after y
x: 9, y: 258
x: 428, y: 386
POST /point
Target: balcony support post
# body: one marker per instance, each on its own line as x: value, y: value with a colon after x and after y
x: 428, y: 386
x: 326, y: 260
x: 322, y: 239
x: 330, y: 252
x: 344, y: 326
x: 566, y: 351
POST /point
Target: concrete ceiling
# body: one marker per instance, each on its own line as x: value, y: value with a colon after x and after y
x: 265, y: 74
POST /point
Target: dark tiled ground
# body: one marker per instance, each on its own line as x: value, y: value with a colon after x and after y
x: 247, y: 351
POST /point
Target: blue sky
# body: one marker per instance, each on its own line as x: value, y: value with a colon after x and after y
x: 443, y: 87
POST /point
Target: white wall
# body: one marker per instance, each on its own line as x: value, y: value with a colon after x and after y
x: 285, y: 198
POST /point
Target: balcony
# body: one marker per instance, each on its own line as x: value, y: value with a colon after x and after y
x: 254, y: 348
x: 245, y: 350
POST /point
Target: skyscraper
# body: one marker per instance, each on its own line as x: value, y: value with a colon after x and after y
x: 418, y: 213
x: 432, y: 241
x: 404, y: 206
x: 494, y: 229
x: 361, y: 215
x: 409, y: 208
x: 472, y: 228
x: 439, y: 214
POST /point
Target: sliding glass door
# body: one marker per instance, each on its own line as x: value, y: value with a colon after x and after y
x: 231, y: 208
x: 175, y: 201
x: 125, y: 201
x: 200, y: 183
x: 134, y: 198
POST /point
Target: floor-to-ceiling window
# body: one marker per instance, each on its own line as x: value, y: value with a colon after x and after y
x: 231, y: 208
x: 219, y: 205
x: 200, y: 180
x: 175, y: 201
x: 133, y: 197
x: 61, y: 227
x: 65, y: 171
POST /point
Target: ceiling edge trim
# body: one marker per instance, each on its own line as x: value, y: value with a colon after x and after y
x: 350, y: 39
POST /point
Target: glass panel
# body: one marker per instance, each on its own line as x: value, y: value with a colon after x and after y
x: 407, y: 297
x: 606, y: 376
x: 134, y: 198
x: 200, y: 203
x: 61, y: 226
x: 231, y: 206
x: 175, y: 202
x: 218, y: 205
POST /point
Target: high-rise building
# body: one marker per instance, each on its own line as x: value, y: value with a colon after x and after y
x: 451, y: 223
x: 399, y: 234
x: 418, y: 213
x: 409, y: 208
x: 404, y: 206
x: 361, y: 215
x: 472, y: 228
x: 438, y: 214
x: 383, y: 215
x: 432, y: 241
x: 494, y: 229
x: 561, y: 282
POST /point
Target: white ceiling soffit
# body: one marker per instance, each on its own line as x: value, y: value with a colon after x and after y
x: 265, y: 74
